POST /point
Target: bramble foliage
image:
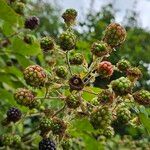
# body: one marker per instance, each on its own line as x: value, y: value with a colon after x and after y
x: 47, y: 94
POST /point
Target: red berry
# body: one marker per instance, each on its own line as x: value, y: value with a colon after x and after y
x: 105, y: 69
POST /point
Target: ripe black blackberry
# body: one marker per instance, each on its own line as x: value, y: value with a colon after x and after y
x: 32, y: 22
x: 13, y: 114
x: 47, y: 144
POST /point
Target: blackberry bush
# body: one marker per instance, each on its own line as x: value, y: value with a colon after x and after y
x: 55, y: 78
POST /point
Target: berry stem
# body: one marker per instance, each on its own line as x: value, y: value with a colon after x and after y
x: 91, y: 92
x: 50, y: 98
x: 60, y: 110
x: 92, y: 67
x: 68, y: 63
x: 46, y: 92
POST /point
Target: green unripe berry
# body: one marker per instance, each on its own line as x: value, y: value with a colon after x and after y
x: 76, y: 59
x: 123, y: 65
x: 58, y: 126
x: 100, y: 49
x: 142, y: 97
x: 7, y: 139
x: 100, y: 118
x: 67, y: 40
x: 45, y: 124
x: 47, y: 43
x: 121, y: 86
x: 16, y: 139
x: 123, y: 115
x: 61, y: 71
x: 69, y: 16
x: 72, y: 102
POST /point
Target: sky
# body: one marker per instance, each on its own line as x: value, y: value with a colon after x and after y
x: 142, y: 6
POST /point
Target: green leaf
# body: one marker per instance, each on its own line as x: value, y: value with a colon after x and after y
x: 20, y: 47
x: 81, y: 125
x: 10, y: 18
x: 145, y: 120
x: 82, y: 128
x: 89, y: 96
x: 24, y: 61
x: 14, y: 71
x: 6, y: 95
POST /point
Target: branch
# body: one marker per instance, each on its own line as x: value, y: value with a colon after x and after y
x: 68, y: 63
x: 60, y: 110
